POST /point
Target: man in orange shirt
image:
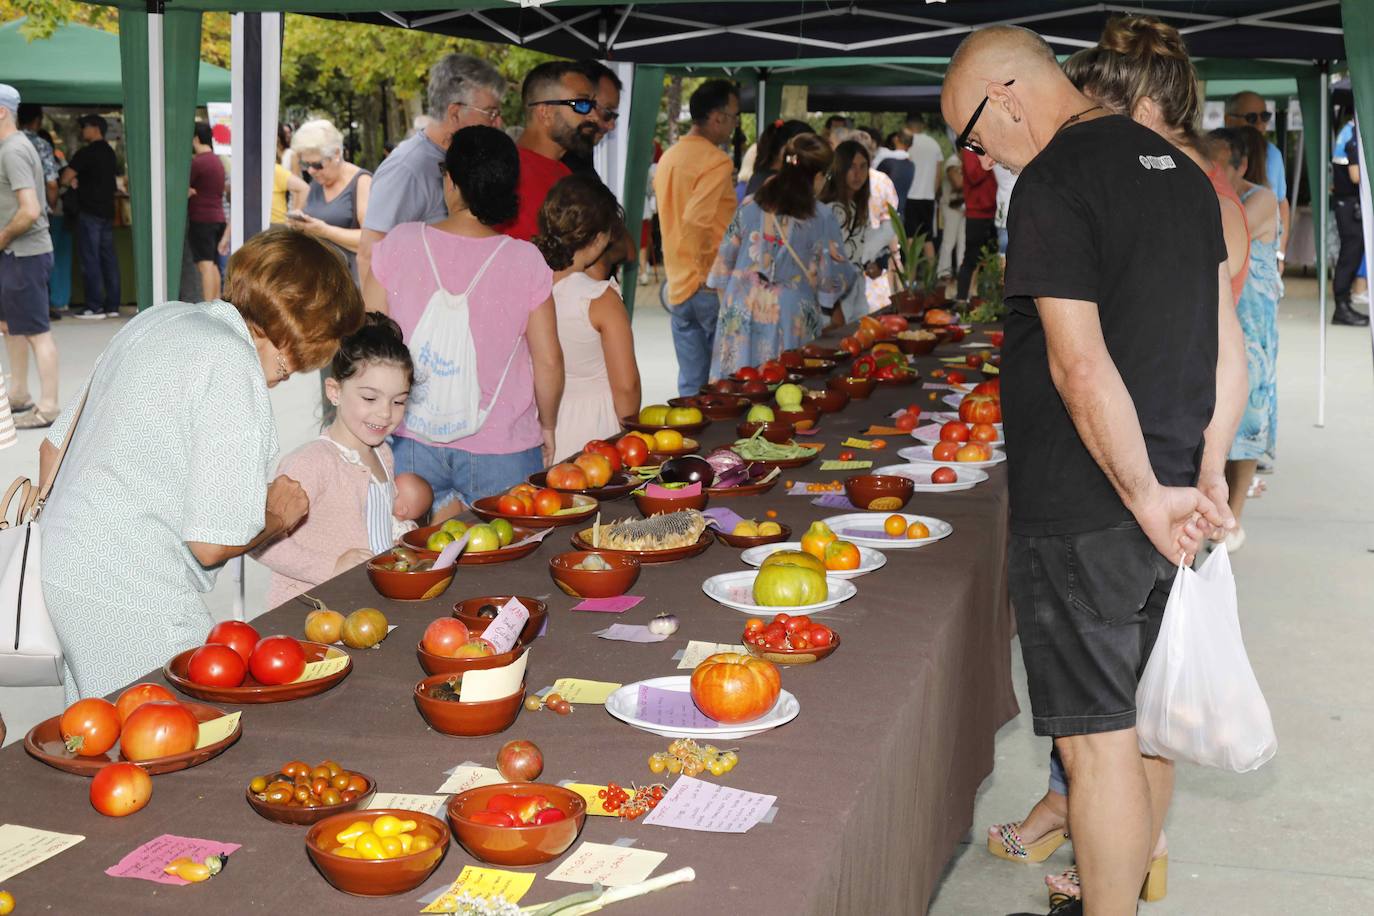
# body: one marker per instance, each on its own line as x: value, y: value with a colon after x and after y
x: 696, y: 198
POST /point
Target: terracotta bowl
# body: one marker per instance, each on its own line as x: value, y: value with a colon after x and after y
x: 443, y: 664
x: 816, y: 366
x: 714, y: 406
x: 519, y: 846
x: 857, y: 388
x: 793, y: 656
x: 831, y: 400
x: 592, y: 583
x: 777, y: 431
x: 657, y: 505
x: 467, y: 611
x: 290, y: 814
x: 916, y: 347
x: 743, y: 540
x: 409, y: 586
x: 819, y: 351
x: 879, y: 492
x: 757, y: 397
x: 466, y: 720
x: 805, y: 417
x: 376, y: 877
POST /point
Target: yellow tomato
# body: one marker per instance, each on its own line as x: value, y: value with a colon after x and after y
x: 349, y: 834
x: 407, y: 841
x: 369, y: 846
x: 392, y: 846
x: 918, y: 530
x: 421, y: 843
x: 347, y: 852
x: 894, y: 525
x: 667, y: 440
x: 390, y: 825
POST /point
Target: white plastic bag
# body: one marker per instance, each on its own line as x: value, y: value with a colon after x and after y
x: 1198, y: 699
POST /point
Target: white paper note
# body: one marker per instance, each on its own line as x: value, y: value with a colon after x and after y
x: 698, y: 651
x: 469, y: 777
x: 494, y: 683
x: 428, y: 804
x: 631, y: 633
x: 613, y: 866
x: 23, y: 847
x: 692, y: 804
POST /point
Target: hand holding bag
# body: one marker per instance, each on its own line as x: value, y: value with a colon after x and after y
x: 1198, y: 699
x: 30, y: 653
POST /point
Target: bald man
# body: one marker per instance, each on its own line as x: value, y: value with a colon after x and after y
x: 1248, y: 109
x: 1125, y: 380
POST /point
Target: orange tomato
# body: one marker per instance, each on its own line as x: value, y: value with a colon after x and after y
x: 816, y: 539
x: 547, y: 502
x: 841, y: 555
x: 894, y: 525
x: 772, y: 513
x: 917, y: 530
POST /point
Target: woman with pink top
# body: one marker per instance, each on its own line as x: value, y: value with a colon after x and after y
x: 348, y: 472
x: 497, y: 290
x: 576, y: 223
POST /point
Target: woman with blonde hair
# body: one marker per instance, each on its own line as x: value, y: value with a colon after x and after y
x: 337, y: 201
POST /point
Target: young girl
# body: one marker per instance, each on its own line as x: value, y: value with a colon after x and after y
x: 348, y: 472
x: 579, y: 220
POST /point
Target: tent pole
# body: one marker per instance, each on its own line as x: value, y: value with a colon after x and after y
x: 646, y: 96
x: 157, y: 144
x: 1324, y: 182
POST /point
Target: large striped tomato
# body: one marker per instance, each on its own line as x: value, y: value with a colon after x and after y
x: 730, y: 687
x: 980, y: 408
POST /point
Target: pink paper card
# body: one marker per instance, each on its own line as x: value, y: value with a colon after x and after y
x: 617, y: 605
x: 148, y: 860
x: 659, y: 492
x: 671, y: 708
x: 505, y: 627
x: 726, y: 519
x: 694, y: 804
x: 875, y: 533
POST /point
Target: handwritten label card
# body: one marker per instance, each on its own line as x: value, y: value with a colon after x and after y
x: 449, y: 555
x: 692, y: 804
x: 698, y: 651
x: 576, y: 690
x: 595, y: 804
x: 853, y: 442
x: 484, y: 883
x: 24, y: 847
x: 147, y: 861
x: 613, y: 866
x: 670, y: 708
x: 469, y: 777
x: 631, y: 633
x: 217, y: 729
x: 505, y: 627
x: 494, y: 683
x: 427, y: 804
x: 833, y: 465
x: 330, y: 664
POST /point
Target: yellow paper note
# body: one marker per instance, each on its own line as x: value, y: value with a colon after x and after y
x: 698, y: 651
x: 470, y: 777
x: 24, y: 847
x: 588, y: 793
x: 990, y: 369
x: 485, y: 883
x: 883, y: 431
x: 851, y: 442
x: 429, y: 804
x: 845, y: 465
x: 330, y: 664
x: 613, y: 866
x: 494, y: 683
x: 576, y: 690
x: 217, y: 729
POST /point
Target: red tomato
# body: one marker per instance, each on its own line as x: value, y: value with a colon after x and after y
x: 955, y: 377
x: 983, y: 432
x: 120, y: 788
x: 139, y: 694
x: 216, y: 666
x: 277, y: 660
x: 774, y: 636
x: 851, y: 346
x: 773, y: 372
x: 781, y: 618
x: 799, y: 640
x: 796, y: 623
x: 633, y: 450
x: 945, y: 451
x: 510, y: 504
x: 954, y: 431
x: 753, y: 625
x: 604, y: 448
x: 235, y: 634
x: 820, y: 635
x: 846, y: 456
x: 548, y: 816
x: 158, y: 730
x: 747, y: 374
x: 944, y: 475
x: 973, y: 360
x: 492, y: 818
x: 443, y: 636
x: 906, y: 422
x: 981, y: 408
x: 973, y: 451
x: 90, y: 727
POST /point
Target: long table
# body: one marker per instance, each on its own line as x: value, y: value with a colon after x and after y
x: 875, y: 779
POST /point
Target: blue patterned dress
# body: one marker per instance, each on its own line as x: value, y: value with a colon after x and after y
x: 1258, y: 313
x: 771, y: 292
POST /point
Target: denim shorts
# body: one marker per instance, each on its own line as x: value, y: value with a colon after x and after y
x: 1088, y: 609
x: 452, y: 472
x: 24, y: 293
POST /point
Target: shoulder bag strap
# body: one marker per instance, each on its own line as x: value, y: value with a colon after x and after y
x: 481, y: 271
x: 31, y: 510
x: 806, y: 271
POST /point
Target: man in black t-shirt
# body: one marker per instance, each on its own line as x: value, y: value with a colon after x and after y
x: 1345, y: 204
x: 92, y: 172
x: 1123, y: 383
x: 622, y: 248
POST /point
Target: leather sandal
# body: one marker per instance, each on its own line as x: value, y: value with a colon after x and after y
x: 1005, y: 843
x: 1065, y: 886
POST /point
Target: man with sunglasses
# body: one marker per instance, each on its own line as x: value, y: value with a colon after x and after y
x: 1248, y: 109
x: 608, y: 87
x: 561, y: 116
x: 1125, y: 380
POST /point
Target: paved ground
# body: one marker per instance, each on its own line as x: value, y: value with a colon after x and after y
x: 1290, y: 834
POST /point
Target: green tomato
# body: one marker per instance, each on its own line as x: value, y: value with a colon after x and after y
x: 504, y: 530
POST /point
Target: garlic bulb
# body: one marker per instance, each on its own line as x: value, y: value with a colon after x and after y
x: 663, y: 625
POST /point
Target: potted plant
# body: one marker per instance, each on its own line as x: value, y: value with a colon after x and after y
x: 916, y: 272
x: 988, y: 306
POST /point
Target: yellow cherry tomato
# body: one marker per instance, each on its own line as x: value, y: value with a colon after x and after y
x: 407, y: 841
x: 392, y: 846
x: 421, y: 843
x: 6, y: 903
x: 347, y: 852
x: 390, y: 825
x: 369, y: 846
x: 351, y: 833
x: 187, y: 870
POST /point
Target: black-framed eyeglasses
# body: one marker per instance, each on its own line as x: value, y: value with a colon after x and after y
x: 581, y: 106
x: 1257, y: 117
x: 312, y: 166
x: 963, y: 142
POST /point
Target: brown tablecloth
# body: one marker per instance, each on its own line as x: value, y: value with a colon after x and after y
x: 875, y: 778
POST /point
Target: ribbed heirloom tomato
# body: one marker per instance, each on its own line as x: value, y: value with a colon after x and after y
x: 980, y: 408
x: 731, y: 688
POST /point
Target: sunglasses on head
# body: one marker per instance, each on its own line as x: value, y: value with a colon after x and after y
x: 963, y: 142
x: 1257, y: 117
x: 581, y: 106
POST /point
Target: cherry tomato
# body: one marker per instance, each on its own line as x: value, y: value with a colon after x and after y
x: 216, y: 665
x: 944, y: 475
x: 493, y: 818
x: 139, y: 694
x: 796, y: 623
x: 6, y: 903
x: 158, y: 730
x: 753, y: 624
x: 820, y: 635
x: 781, y: 618
x: 120, y: 789
x: 549, y: 816
x: 90, y: 727
x: 277, y: 660
x: 846, y: 456
x: 235, y: 634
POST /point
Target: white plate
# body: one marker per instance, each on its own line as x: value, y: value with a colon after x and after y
x: 968, y: 477
x: 930, y: 434
x: 869, y: 559
x: 624, y: 705
x: 945, y: 416
x: 939, y: 528
x: 978, y: 345
x: 924, y: 454
x: 736, y: 590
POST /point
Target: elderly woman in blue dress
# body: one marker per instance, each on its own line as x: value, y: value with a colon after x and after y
x: 168, y: 474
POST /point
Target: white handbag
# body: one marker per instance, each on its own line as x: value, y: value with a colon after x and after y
x: 30, y: 652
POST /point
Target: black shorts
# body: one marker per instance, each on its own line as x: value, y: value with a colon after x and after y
x: 919, y: 216
x: 1088, y: 609
x: 204, y: 240
x: 24, y: 293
